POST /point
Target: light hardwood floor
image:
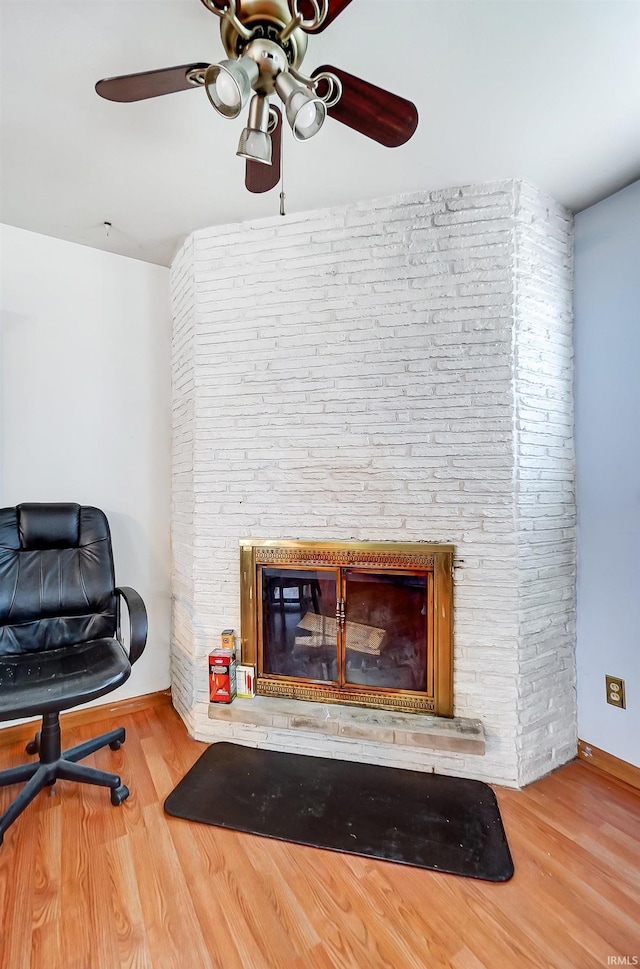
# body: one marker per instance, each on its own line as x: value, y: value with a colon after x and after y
x: 84, y: 885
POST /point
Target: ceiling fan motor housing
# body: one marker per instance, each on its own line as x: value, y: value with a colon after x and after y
x: 265, y: 19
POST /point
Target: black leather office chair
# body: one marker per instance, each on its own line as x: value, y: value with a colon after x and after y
x: 60, y: 637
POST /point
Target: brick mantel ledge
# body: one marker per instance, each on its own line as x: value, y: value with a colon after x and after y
x: 457, y: 735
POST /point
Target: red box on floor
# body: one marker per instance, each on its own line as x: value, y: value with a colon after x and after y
x: 222, y: 676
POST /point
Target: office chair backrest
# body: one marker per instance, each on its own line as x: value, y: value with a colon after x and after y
x: 56, y: 577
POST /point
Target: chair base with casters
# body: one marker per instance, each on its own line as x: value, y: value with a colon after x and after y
x: 60, y: 639
x: 54, y: 764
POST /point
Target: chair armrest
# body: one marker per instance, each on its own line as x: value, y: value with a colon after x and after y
x: 137, y: 621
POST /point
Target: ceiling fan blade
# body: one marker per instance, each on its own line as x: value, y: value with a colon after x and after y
x: 262, y: 178
x: 335, y: 9
x: 148, y: 84
x: 374, y: 112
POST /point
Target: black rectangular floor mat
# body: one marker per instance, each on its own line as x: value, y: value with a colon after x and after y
x: 428, y: 820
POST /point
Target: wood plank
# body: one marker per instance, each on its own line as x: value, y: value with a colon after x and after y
x: 47, y: 909
x: 124, y: 897
x: 290, y: 911
x: 18, y: 891
x: 198, y: 849
x: 171, y: 924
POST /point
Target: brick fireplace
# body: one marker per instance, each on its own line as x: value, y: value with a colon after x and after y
x: 396, y: 370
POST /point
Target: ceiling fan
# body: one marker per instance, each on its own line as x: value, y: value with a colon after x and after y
x: 265, y: 42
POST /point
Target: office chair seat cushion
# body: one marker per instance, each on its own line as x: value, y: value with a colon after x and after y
x: 32, y: 684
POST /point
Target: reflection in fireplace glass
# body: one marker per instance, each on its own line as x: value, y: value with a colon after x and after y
x: 386, y: 630
x: 289, y: 649
x: 351, y: 627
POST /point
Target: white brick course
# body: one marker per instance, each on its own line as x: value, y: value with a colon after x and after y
x: 398, y: 369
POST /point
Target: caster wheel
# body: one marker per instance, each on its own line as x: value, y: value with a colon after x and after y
x: 33, y: 747
x: 115, y: 744
x: 119, y: 794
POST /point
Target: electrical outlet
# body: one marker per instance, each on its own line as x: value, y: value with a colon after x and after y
x: 615, y: 691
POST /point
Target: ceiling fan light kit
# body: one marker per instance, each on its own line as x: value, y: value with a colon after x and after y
x: 229, y: 84
x: 305, y: 112
x: 255, y: 140
x: 265, y: 42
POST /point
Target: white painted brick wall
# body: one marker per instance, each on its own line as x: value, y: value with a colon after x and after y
x: 545, y: 487
x: 392, y: 370
x: 184, y: 640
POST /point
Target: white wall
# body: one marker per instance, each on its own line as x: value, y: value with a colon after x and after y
x: 607, y: 385
x: 85, y: 351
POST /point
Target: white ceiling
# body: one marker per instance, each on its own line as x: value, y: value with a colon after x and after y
x: 546, y: 91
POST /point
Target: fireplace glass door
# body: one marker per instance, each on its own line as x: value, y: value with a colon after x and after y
x: 350, y: 627
x: 385, y: 631
x: 360, y: 623
x: 298, y: 631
